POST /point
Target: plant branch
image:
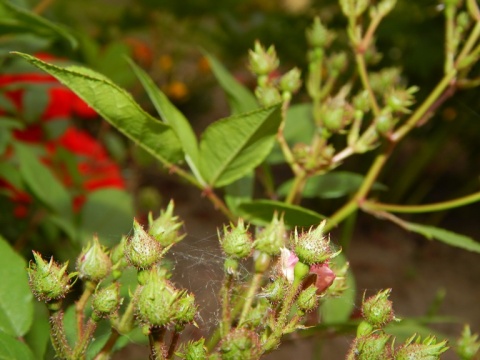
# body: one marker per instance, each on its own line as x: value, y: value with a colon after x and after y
x: 80, y: 306
x: 362, y: 71
x: 254, y: 285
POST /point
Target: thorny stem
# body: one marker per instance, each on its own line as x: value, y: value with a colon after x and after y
x: 226, y: 316
x: 80, y: 306
x: 282, y: 319
x: 57, y: 336
x: 85, y: 338
x: 105, y: 353
x: 173, y: 344
x: 252, y: 290
x: 155, y: 339
x: 440, y: 206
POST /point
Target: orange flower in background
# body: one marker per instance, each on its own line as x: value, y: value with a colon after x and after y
x: 95, y: 168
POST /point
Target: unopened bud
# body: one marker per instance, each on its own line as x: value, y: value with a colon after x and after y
x: 308, y: 300
x: 106, y: 301
x: 236, y: 241
x: 142, y: 250
x: 317, y: 35
x: 313, y: 247
x: 275, y: 291
x: 291, y: 81
x: 468, y: 344
x: 262, y: 62
x: 193, y: 350
x: 240, y: 344
x: 93, y: 264
x: 185, y: 309
x: 272, y: 238
x: 165, y: 228
x: 268, y: 95
x: 373, y: 346
x: 377, y: 310
x: 415, y: 348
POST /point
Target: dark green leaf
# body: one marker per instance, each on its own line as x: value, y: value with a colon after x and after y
x: 240, y: 99
x: 39, y: 334
x: 34, y: 102
x: 231, y: 147
x: 16, y: 300
x: 17, y: 20
x: 173, y: 117
x: 117, y: 107
x: 107, y: 213
x: 331, y: 185
x: 260, y: 212
x: 13, y: 349
x: 445, y: 236
x: 43, y: 184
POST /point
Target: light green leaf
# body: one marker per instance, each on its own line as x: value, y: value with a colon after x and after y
x: 14, y: 19
x: 260, y: 212
x: 43, y: 184
x: 16, y: 300
x: 173, y: 117
x: 231, y: 147
x: 117, y: 107
x: 39, y: 334
x: 240, y: 99
x: 337, y: 310
x: 13, y: 349
x: 107, y: 213
x: 329, y: 186
x: 445, y: 236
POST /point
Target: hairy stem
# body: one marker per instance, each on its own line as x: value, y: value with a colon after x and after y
x: 84, y: 340
x: 157, y: 346
x: 80, y: 306
x: 105, y: 352
x: 252, y: 290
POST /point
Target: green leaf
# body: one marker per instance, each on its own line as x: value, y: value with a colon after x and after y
x: 329, y: 186
x: 14, y: 19
x: 231, y: 147
x: 173, y: 117
x: 39, y: 334
x: 34, y: 102
x: 13, y: 349
x: 337, y: 310
x: 260, y: 212
x: 107, y: 213
x: 240, y: 99
x: 299, y: 128
x: 445, y: 236
x: 117, y: 107
x: 16, y: 299
x: 43, y: 184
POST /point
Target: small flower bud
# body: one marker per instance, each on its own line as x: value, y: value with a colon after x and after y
x: 256, y: 317
x: 428, y: 349
x: 48, y: 281
x: 93, y: 264
x: 275, y: 291
x: 468, y: 344
x: 142, y: 250
x: 236, y: 242
x: 384, y: 123
x: 165, y: 228
x: 155, y: 301
x: 185, y: 309
x: 262, y: 62
x: 383, y: 80
x: 193, y: 350
x: 364, y: 329
x: 291, y: 81
x: 369, y: 347
x: 307, y: 299
x: 268, y: 95
x: 300, y: 272
x: 361, y: 101
x: 337, y: 62
x: 106, y: 301
x: 313, y: 247
x: 262, y: 261
x: 354, y: 8
x: 240, y: 344
x: 398, y: 100
x: 377, y: 310
x: 317, y: 35
x: 333, y: 120
x: 272, y: 238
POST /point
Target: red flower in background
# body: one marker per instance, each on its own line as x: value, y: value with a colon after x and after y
x: 94, y: 166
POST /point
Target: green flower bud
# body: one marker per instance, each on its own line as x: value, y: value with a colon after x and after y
x: 384, y: 123
x: 48, y: 280
x: 370, y: 347
x: 165, y: 228
x: 275, y: 291
x: 236, y: 242
x: 307, y: 299
x: 186, y: 309
x: 142, y: 250
x: 383, y: 80
x: 417, y: 349
x: 337, y: 62
x: 300, y: 272
x: 230, y: 266
x: 317, y: 35
x: 333, y: 120
x: 256, y: 317
x: 272, y: 238
x: 268, y: 95
x: 193, y: 350
x: 385, y: 6
x: 106, y: 301
x: 354, y: 8
x: 93, y: 264
x: 291, y: 81
x: 240, y: 344
x: 155, y: 301
x: 313, y: 247
x: 262, y: 62
x: 364, y: 329
x: 467, y: 345
x: 398, y: 100
x: 377, y: 310
x: 361, y: 101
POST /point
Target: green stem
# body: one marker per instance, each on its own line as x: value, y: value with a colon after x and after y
x: 85, y: 339
x: 105, y: 353
x: 254, y: 285
x: 297, y: 188
x: 362, y: 71
x: 275, y: 336
x: 419, y: 114
x: 173, y: 344
x: 469, y: 44
x: 440, y: 206
x: 80, y: 306
x: 449, y: 38
x: 126, y: 322
x: 226, y: 316
x: 57, y: 336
